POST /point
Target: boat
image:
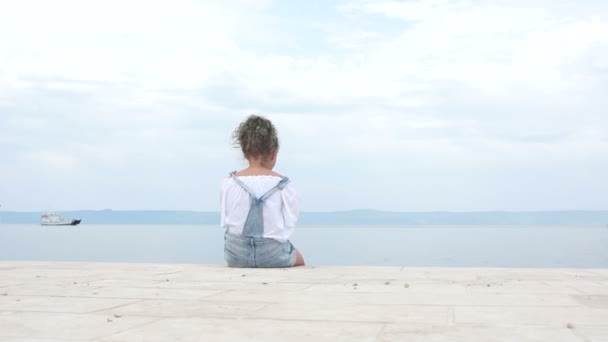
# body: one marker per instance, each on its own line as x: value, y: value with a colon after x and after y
x: 53, y: 219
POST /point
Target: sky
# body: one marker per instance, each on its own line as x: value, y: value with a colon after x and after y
x: 390, y: 105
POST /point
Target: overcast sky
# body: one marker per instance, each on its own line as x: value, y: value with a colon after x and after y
x: 389, y: 105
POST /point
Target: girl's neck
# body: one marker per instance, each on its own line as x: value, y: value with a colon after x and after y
x: 257, y: 171
x: 259, y: 167
x: 260, y: 164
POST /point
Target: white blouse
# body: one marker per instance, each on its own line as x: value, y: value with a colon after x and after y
x: 280, y: 211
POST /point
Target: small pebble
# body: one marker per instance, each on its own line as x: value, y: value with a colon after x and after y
x: 387, y: 283
x: 117, y: 316
x: 355, y: 284
x: 109, y: 320
x: 243, y: 275
x: 264, y: 283
x: 406, y: 285
x: 570, y: 326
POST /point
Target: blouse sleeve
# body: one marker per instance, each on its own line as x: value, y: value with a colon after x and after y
x: 291, y: 205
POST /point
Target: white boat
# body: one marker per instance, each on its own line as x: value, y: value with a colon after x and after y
x: 53, y: 219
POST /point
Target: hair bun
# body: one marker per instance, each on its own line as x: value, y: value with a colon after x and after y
x: 261, y: 130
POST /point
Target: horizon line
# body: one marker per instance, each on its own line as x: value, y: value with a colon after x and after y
x: 326, y: 212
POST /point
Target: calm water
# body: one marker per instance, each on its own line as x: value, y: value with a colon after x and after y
x: 321, y: 245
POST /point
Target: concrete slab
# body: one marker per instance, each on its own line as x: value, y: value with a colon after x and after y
x: 59, y: 304
x: 149, y: 302
x: 473, y: 332
x: 63, y: 327
x: 229, y: 330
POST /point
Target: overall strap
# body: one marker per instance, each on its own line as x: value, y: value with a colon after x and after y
x: 280, y: 186
x: 243, y: 185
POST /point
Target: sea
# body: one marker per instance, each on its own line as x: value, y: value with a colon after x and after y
x: 423, y: 246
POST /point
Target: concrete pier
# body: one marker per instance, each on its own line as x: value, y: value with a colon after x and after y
x: 52, y: 301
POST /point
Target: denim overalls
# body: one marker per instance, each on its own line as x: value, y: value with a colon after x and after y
x: 251, y: 249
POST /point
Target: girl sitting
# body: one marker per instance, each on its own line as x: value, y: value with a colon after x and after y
x: 259, y: 207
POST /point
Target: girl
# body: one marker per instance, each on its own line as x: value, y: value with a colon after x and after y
x: 259, y: 207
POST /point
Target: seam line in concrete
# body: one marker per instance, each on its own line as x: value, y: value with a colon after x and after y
x: 451, y: 316
x: 159, y: 274
x: 251, y: 318
x: 118, y: 306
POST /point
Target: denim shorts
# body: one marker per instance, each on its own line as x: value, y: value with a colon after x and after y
x: 241, y: 251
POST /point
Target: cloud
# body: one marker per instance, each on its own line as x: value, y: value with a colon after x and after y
x: 139, y: 98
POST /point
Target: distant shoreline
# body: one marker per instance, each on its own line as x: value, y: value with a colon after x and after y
x: 337, y: 218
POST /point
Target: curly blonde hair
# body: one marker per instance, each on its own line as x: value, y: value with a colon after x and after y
x: 256, y: 136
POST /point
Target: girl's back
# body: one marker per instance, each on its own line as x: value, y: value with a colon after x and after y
x: 280, y: 211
